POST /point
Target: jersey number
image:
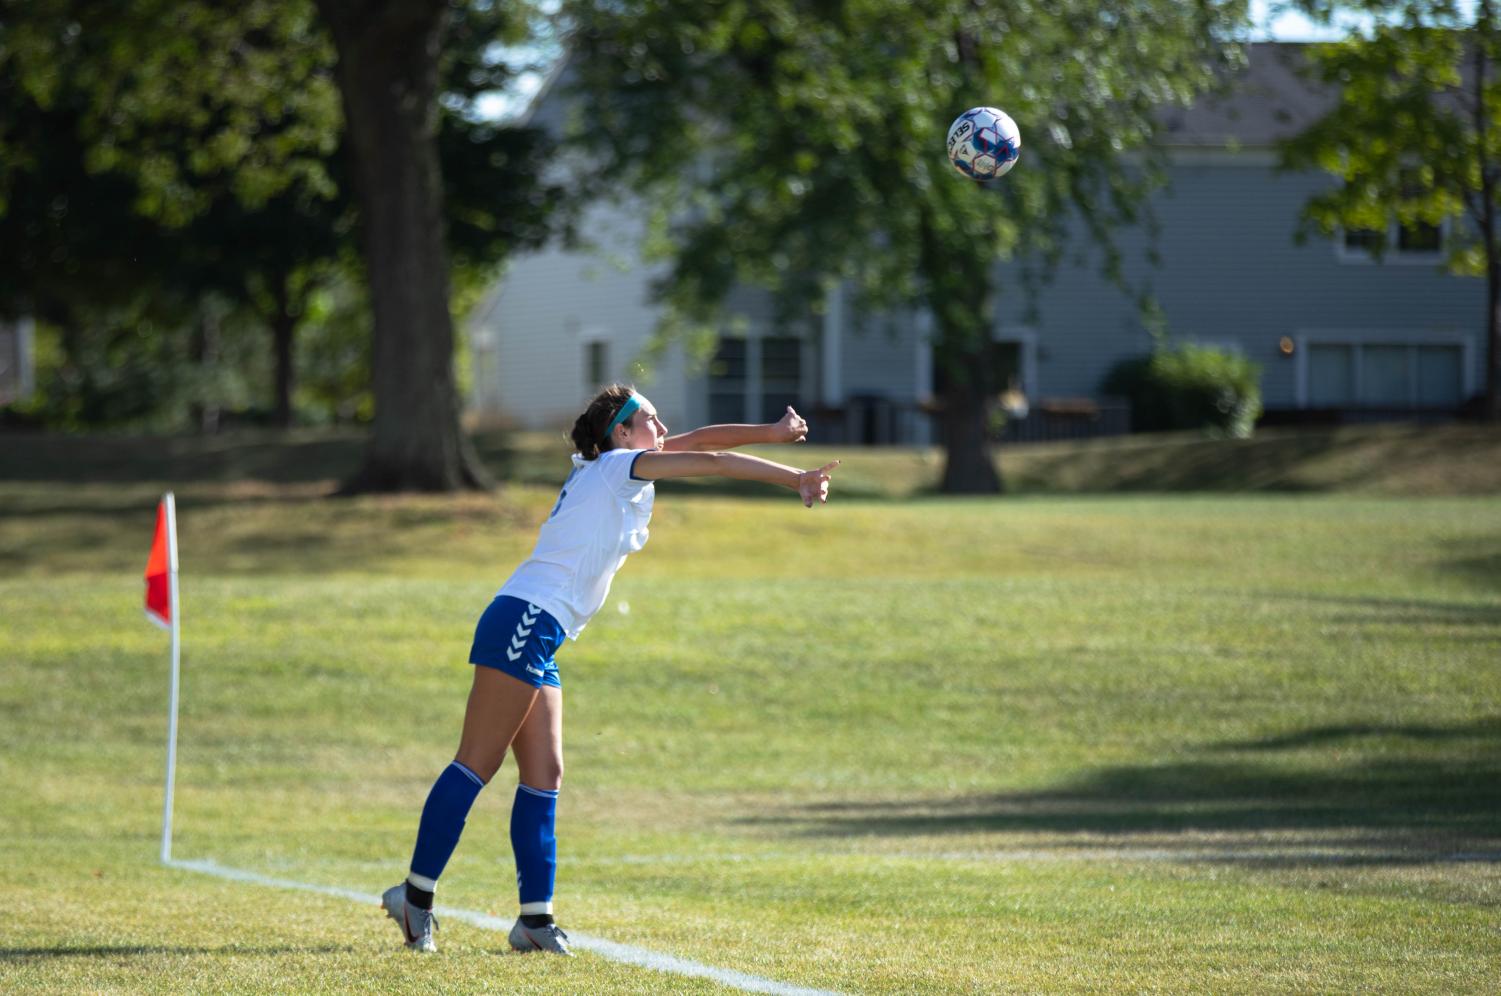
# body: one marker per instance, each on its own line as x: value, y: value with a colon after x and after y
x: 564, y: 493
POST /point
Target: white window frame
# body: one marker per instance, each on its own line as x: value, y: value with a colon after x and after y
x: 1358, y: 338
x: 749, y: 388
x: 1026, y: 337
x: 756, y: 405
x: 595, y: 337
x: 831, y: 348
x: 752, y: 399
x: 922, y: 357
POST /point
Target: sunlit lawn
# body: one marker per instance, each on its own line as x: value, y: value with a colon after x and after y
x: 1039, y: 744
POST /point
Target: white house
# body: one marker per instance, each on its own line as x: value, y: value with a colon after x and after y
x: 1336, y: 334
x: 17, y: 360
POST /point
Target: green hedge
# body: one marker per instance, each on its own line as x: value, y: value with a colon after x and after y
x: 1189, y: 387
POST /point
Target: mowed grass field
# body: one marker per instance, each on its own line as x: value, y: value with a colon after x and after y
x: 1089, y: 743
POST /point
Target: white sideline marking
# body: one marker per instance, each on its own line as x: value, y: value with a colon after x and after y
x: 609, y: 950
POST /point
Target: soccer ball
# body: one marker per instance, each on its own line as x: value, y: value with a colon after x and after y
x: 984, y: 143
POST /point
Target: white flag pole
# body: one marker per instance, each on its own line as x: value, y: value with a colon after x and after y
x: 176, y: 649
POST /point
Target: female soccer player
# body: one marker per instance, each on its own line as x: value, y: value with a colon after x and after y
x: 516, y: 700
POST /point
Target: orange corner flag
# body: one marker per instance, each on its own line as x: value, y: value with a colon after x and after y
x: 161, y: 608
x: 160, y: 566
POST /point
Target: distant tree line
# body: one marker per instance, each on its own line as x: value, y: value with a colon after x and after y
x: 183, y: 205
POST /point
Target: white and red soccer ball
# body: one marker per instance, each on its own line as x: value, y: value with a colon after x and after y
x: 984, y: 143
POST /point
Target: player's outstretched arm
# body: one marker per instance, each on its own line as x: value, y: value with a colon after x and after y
x: 811, y: 485
x: 791, y: 428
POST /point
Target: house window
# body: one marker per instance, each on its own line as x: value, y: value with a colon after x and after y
x: 596, y: 365
x: 1363, y: 241
x: 1331, y: 375
x: 781, y: 375
x: 1440, y: 376
x: 1418, y: 242
x: 1384, y: 375
x: 727, y: 378
x: 1420, y: 238
x: 1004, y: 368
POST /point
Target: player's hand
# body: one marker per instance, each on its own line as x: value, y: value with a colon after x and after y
x: 792, y: 428
x: 814, y: 484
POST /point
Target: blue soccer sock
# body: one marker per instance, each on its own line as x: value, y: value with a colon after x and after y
x: 442, y: 823
x: 533, y: 822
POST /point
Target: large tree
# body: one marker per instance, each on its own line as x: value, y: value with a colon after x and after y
x: 795, y: 143
x: 161, y: 161
x: 388, y: 68
x: 1413, y: 137
x: 204, y: 151
x: 391, y: 59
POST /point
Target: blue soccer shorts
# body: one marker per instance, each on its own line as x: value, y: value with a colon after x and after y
x: 520, y: 639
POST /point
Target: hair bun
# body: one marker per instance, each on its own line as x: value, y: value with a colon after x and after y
x: 583, y: 438
x: 589, y: 429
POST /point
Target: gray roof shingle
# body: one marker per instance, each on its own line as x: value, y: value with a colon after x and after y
x: 1266, y: 103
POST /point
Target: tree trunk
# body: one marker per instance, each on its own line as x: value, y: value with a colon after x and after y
x: 204, y: 347
x: 283, y: 331
x: 388, y: 75
x: 969, y: 467
x: 1491, y: 410
x: 961, y: 303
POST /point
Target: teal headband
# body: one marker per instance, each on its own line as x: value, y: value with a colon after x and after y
x: 626, y: 411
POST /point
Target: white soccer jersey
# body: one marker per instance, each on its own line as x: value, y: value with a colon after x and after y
x: 600, y: 519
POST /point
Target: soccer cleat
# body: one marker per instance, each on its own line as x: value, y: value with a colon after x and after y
x: 417, y: 924
x: 548, y: 938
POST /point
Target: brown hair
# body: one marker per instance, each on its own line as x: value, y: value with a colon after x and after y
x: 589, y: 428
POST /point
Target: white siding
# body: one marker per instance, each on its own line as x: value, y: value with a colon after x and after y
x: 878, y: 354
x: 17, y: 364
x: 1231, y: 275
x: 530, y: 333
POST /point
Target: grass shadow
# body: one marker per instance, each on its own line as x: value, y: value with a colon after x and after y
x: 242, y: 527
x: 1410, y: 803
x: 279, y: 458
x: 1393, y: 458
x: 1173, y: 462
x: 1358, y: 612
x: 1343, y: 734
x: 112, y: 951
x: 1480, y: 567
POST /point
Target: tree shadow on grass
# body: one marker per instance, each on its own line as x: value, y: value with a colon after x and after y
x: 1441, y: 798
x: 112, y: 951
x: 1183, y: 462
x: 124, y: 459
x: 1359, y: 612
x: 273, y: 526
x: 1480, y: 566
x: 1318, y: 736
x: 127, y: 503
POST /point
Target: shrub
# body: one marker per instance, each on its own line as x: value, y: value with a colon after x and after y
x: 1189, y: 387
